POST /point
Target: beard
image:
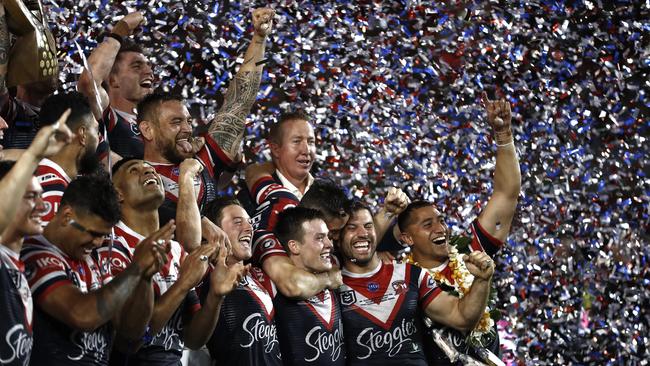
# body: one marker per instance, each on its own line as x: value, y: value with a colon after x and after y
x: 169, y: 152
x: 89, y: 163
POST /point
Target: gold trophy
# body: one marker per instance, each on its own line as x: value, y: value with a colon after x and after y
x: 33, y: 55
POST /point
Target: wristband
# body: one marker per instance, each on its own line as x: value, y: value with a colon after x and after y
x: 116, y: 37
x: 503, y: 137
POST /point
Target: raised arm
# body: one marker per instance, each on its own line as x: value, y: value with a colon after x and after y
x: 101, y: 62
x: 463, y: 314
x: 297, y: 283
x: 497, y: 216
x: 188, y: 217
x: 394, y: 203
x: 227, y: 127
x: 48, y: 141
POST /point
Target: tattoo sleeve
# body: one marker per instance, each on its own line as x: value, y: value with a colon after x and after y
x: 112, y: 297
x: 4, y: 53
x: 229, y: 124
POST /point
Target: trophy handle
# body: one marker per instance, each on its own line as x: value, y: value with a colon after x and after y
x: 20, y: 20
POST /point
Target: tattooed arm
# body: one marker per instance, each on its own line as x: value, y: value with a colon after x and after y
x: 4, y: 57
x: 228, y: 126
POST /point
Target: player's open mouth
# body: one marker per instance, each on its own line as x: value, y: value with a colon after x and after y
x: 304, y: 163
x: 184, y: 145
x: 441, y: 240
x: 148, y: 84
x: 150, y: 181
x: 36, y: 219
x: 325, y: 256
x: 245, y: 241
x: 361, y: 246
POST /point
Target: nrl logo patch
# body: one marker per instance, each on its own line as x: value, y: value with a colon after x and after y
x: 348, y: 298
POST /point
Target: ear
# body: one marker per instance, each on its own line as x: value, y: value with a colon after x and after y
x: 81, y: 135
x: 112, y: 81
x: 66, y: 214
x: 120, y: 196
x: 406, y: 239
x: 146, y: 129
x: 275, y: 149
x: 294, y: 247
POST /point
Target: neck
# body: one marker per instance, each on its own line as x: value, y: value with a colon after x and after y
x: 427, y: 261
x: 120, y: 103
x: 35, y: 99
x: 12, y: 240
x: 143, y: 221
x: 67, y: 160
x: 360, y: 268
x: 301, y: 184
x: 151, y: 154
x: 53, y: 235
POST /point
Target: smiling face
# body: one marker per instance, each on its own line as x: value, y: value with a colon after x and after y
x: 139, y: 186
x: 131, y: 77
x: 27, y: 220
x: 236, y: 223
x: 428, y: 235
x: 296, y: 152
x: 83, y: 232
x: 359, y: 240
x: 171, y: 133
x: 312, y: 252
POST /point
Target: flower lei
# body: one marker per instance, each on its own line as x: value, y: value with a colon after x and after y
x: 462, y: 281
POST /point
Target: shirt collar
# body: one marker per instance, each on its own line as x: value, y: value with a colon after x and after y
x: 293, y: 189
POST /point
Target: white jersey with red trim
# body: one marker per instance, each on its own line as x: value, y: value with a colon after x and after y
x: 382, y: 314
x: 54, y: 180
x: 167, y: 345
x: 16, y: 307
x: 48, y: 268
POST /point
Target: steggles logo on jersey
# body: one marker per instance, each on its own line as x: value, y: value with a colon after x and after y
x: 89, y: 343
x: 19, y: 343
x: 348, y: 298
x: 324, y: 342
x: 259, y: 331
x: 387, y: 342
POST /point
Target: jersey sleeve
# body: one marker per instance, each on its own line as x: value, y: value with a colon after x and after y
x: 214, y: 158
x: 483, y: 241
x: 192, y: 304
x: 46, y: 271
x: 53, y: 188
x: 427, y: 288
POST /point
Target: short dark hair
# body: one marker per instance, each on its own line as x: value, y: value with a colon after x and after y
x: 5, y: 167
x: 121, y: 163
x: 93, y: 194
x: 148, y: 107
x: 289, y: 225
x: 404, y: 218
x: 275, y: 132
x: 56, y: 104
x: 327, y: 197
x: 214, y: 210
x: 128, y: 45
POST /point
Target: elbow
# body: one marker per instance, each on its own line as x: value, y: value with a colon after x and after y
x: 291, y: 289
x: 83, y: 321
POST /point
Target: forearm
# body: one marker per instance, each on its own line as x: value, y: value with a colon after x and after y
x: 229, y: 124
x: 507, y: 175
x: 294, y: 282
x: 137, y: 311
x: 4, y: 51
x: 166, y: 305
x: 203, y: 322
x: 101, y: 62
x: 472, y: 305
x: 188, y: 217
x: 383, y: 220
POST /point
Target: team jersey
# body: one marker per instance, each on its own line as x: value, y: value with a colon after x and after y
x: 310, y: 331
x: 481, y: 241
x: 271, y: 199
x: 23, y: 121
x: 54, y: 180
x: 16, y: 309
x: 123, y: 134
x: 166, y: 347
x: 246, y: 332
x: 48, y: 268
x: 214, y: 161
x: 382, y: 314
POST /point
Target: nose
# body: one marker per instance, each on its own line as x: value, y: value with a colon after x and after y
x: 40, y: 207
x: 248, y: 227
x: 147, y: 69
x: 327, y: 243
x: 186, y: 126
